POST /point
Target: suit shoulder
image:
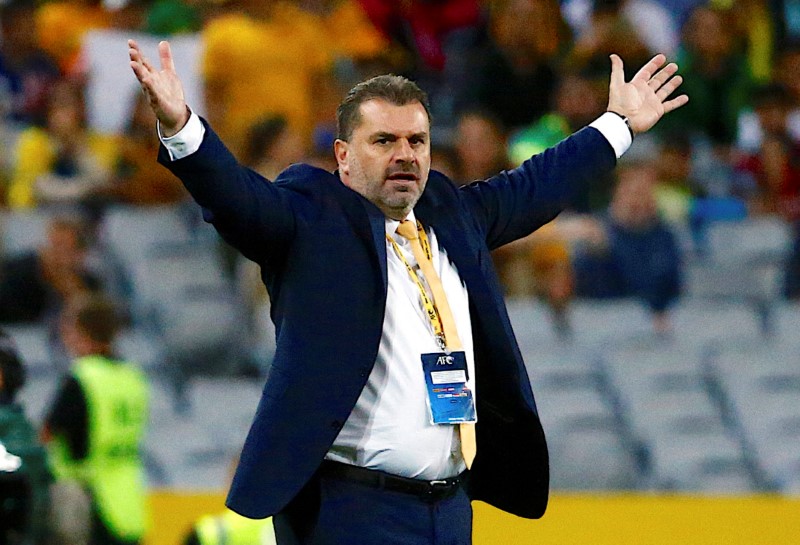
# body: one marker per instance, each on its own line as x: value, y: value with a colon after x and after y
x: 308, y: 180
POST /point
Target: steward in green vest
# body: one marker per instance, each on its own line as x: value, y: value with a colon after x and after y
x: 229, y: 528
x: 96, y: 425
x: 24, y: 475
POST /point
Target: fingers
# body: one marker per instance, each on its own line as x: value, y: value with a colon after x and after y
x: 663, y: 76
x: 165, y: 54
x: 675, y: 103
x: 617, y: 71
x: 669, y: 88
x: 135, y: 55
x: 139, y: 63
x: 646, y: 72
x: 148, y: 65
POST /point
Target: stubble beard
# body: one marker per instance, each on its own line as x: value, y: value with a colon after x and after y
x: 394, y: 203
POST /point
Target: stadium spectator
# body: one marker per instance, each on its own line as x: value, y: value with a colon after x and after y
x: 60, y: 25
x: 718, y: 76
x: 62, y: 164
x: 676, y: 187
x: 95, y: 425
x: 479, y: 143
x: 24, y: 474
x: 528, y: 39
x: 26, y: 71
x: 578, y: 98
x: 272, y: 145
x: 432, y: 43
x: 35, y: 285
x: 539, y: 266
x: 774, y: 164
x: 775, y: 168
x: 272, y: 58
x: 615, y: 26
x: 631, y: 253
x: 654, y: 22
x: 786, y: 74
x: 422, y: 27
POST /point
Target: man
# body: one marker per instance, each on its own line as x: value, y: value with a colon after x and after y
x: 631, y: 252
x: 355, y: 438
x: 95, y: 427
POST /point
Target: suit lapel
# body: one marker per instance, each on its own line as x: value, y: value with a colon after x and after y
x: 369, y: 224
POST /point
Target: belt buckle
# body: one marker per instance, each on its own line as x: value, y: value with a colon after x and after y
x: 438, y: 489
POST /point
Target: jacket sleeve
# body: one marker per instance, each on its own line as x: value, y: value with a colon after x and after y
x: 516, y: 202
x: 252, y: 214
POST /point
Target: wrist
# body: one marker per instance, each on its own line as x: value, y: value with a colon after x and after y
x: 168, y: 131
x: 626, y: 120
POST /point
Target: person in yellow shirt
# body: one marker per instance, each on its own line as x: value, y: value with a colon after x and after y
x: 61, y: 25
x: 273, y: 58
x: 63, y: 162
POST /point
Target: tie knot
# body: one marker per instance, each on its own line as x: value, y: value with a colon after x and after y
x: 407, y: 230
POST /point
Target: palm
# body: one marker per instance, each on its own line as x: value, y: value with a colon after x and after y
x: 163, y: 88
x: 643, y: 100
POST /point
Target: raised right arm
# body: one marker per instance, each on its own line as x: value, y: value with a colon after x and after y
x: 251, y: 213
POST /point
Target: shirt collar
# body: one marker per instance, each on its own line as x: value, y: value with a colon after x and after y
x: 392, y: 224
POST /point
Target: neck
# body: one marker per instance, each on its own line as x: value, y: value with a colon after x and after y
x: 398, y: 214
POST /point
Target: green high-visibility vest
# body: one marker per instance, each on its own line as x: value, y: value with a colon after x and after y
x: 229, y: 528
x: 117, y: 406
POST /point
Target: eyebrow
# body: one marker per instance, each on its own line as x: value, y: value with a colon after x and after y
x: 393, y: 136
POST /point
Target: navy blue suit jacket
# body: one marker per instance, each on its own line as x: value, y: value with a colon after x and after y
x: 322, y: 250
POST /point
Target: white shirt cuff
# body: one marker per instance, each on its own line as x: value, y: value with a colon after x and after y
x: 186, y: 141
x: 615, y: 131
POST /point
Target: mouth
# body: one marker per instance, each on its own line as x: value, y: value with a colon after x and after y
x: 402, y: 177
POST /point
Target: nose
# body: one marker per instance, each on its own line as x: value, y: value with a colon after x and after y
x: 404, y: 152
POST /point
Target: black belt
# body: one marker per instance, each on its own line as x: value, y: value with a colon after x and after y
x: 427, y: 490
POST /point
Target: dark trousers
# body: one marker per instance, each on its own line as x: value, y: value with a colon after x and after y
x: 334, y: 511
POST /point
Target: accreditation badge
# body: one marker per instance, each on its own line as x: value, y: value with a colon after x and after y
x: 449, y: 399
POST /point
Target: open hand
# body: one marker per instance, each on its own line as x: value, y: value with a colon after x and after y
x: 643, y: 100
x: 163, y: 88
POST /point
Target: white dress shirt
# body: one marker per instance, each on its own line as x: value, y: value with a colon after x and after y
x: 389, y: 428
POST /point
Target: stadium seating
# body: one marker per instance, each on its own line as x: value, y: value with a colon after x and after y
x: 713, y: 407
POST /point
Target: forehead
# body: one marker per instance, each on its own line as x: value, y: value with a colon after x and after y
x: 378, y: 115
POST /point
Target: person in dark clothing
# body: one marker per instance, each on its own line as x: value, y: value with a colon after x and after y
x: 34, y: 285
x: 633, y: 253
x: 24, y: 476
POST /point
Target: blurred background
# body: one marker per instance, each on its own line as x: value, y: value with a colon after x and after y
x: 658, y: 315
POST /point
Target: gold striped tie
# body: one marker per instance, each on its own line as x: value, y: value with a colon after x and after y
x: 408, y: 230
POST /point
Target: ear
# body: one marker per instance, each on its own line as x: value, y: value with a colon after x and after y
x: 340, y: 150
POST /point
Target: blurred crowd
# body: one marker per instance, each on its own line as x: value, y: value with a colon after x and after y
x: 506, y: 78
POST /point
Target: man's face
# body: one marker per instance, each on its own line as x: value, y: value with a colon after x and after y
x: 388, y: 156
